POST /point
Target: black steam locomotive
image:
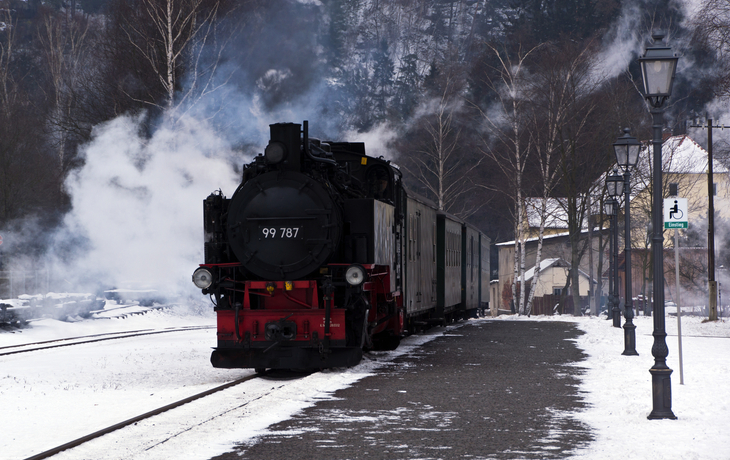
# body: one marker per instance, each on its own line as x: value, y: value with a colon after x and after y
x: 322, y: 252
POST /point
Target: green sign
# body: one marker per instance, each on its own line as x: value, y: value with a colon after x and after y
x: 675, y: 225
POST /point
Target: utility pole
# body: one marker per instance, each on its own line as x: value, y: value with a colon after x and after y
x: 712, y: 283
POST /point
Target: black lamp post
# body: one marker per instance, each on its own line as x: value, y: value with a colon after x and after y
x: 658, y: 67
x: 615, y: 186
x: 627, y: 155
x: 610, y: 208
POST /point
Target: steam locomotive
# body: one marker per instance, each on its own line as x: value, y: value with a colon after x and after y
x: 322, y: 252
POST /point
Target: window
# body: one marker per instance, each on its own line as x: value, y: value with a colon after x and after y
x: 673, y: 189
x: 557, y: 291
x: 714, y: 189
x: 411, y: 243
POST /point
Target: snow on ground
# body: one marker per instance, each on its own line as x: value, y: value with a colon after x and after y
x: 619, y: 393
x: 51, y: 397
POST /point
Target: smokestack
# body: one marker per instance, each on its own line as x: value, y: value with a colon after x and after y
x: 289, y: 136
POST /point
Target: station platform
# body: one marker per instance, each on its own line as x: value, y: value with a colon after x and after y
x: 484, y: 390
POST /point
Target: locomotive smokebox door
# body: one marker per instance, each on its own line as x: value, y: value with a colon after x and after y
x: 285, y: 145
x: 283, y: 225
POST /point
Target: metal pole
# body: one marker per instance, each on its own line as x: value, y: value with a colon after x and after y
x: 609, y: 301
x: 629, y: 327
x: 679, y: 309
x: 661, y: 384
x: 616, y: 311
x: 711, y: 227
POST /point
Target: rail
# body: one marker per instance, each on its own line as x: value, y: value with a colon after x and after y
x: 97, y: 434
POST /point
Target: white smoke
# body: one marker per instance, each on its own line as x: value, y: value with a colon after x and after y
x: 137, y: 218
x: 378, y: 140
x: 623, y: 43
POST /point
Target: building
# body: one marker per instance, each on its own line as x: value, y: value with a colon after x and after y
x: 556, y: 251
x: 685, y: 175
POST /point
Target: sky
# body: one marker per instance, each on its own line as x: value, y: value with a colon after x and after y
x: 52, y: 397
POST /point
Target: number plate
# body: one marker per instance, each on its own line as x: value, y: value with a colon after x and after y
x: 280, y: 233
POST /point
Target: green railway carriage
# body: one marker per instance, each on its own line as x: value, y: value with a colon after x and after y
x: 448, y: 265
x: 470, y: 276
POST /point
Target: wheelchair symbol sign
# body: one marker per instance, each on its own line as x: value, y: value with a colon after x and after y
x: 675, y: 213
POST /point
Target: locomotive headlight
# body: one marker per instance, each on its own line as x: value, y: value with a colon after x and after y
x: 202, y: 278
x: 275, y: 153
x: 355, y: 275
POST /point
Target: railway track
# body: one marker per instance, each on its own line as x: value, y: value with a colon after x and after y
x: 133, y: 420
x: 67, y: 342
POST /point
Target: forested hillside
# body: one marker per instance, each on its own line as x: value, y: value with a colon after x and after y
x: 480, y: 102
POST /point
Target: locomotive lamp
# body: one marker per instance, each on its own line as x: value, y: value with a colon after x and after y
x: 202, y: 278
x: 275, y: 152
x: 658, y: 67
x: 627, y: 155
x: 355, y: 275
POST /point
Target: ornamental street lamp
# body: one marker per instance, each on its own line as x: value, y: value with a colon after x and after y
x: 658, y: 67
x: 615, y: 186
x: 627, y: 155
x: 610, y: 206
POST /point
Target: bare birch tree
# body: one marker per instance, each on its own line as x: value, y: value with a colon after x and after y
x: 438, y: 163
x: 65, y: 46
x: 171, y: 36
x: 510, y: 150
x: 26, y: 179
x: 556, y: 87
x: 7, y: 92
x: 569, y: 90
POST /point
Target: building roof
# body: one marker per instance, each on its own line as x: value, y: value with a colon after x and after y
x: 681, y: 154
x: 544, y: 264
x: 547, y: 237
x: 553, y: 262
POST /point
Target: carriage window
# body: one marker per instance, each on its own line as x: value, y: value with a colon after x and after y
x: 471, y: 259
x: 418, y: 235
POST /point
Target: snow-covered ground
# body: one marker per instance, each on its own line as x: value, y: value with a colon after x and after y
x: 54, y: 396
x: 618, y: 389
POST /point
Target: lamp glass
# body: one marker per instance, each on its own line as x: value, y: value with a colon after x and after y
x: 634, y: 150
x: 615, y: 185
x: 657, y: 76
x: 608, y: 207
x: 622, y: 154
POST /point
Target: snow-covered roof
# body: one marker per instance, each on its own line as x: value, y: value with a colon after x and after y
x: 529, y: 240
x: 681, y: 154
x: 547, y: 263
x: 544, y: 264
x: 546, y: 237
